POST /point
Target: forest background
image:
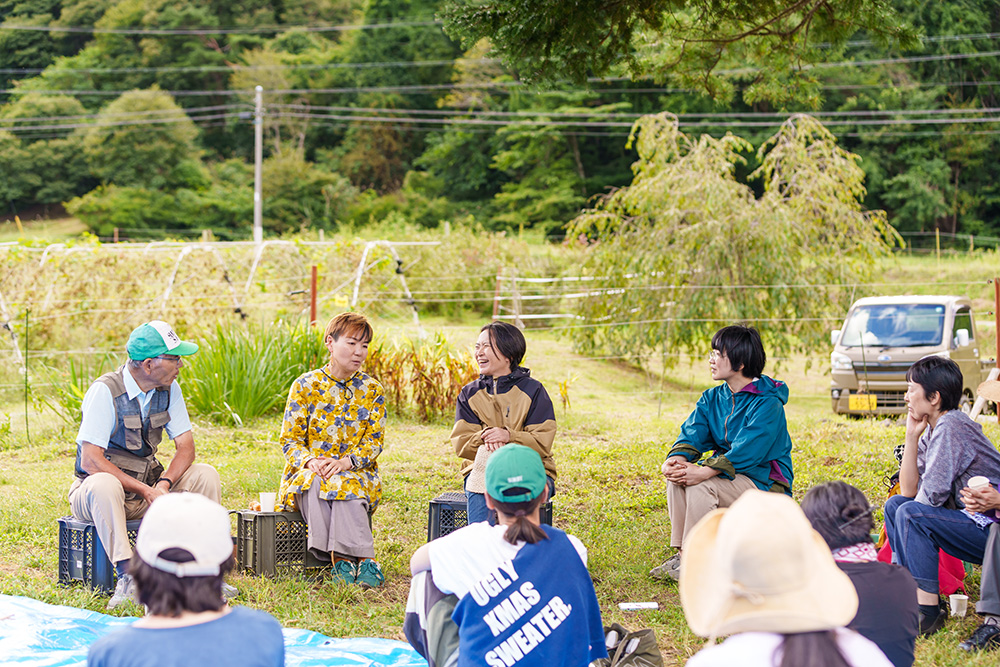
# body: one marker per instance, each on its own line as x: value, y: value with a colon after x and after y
x: 138, y: 114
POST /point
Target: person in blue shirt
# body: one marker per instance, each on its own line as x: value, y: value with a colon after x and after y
x: 517, y: 592
x: 740, y: 424
x: 125, y: 414
x: 182, y: 552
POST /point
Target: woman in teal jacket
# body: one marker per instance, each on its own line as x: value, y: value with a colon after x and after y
x: 741, y: 425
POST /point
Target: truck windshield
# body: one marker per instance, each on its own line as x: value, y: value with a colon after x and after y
x: 895, y: 325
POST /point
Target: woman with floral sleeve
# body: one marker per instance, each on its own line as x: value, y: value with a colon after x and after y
x: 333, y: 432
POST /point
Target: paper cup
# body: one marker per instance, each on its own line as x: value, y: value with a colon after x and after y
x: 959, y: 604
x: 978, y: 482
x: 267, y: 501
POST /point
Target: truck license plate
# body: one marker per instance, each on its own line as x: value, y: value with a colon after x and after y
x: 861, y: 401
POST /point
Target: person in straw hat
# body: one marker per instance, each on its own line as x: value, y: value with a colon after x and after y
x: 182, y: 551
x: 758, y: 571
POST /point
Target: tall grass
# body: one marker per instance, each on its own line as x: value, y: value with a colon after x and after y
x: 245, y: 372
x: 64, y: 388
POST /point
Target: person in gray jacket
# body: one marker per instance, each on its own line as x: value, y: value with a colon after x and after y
x: 944, y: 449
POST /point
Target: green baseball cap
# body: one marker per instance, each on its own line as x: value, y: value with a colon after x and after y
x: 155, y: 338
x: 515, y: 474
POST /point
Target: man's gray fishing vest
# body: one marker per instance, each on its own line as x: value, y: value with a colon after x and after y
x: 133, y: 442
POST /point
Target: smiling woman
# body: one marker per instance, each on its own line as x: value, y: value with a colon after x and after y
x: 505, y: 405
x: 332, y: 434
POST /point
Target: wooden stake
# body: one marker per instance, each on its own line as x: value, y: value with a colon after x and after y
x: 496, y: 297
x: 312, y: 298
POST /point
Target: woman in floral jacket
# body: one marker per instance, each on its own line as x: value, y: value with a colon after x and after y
x: 332, y: 434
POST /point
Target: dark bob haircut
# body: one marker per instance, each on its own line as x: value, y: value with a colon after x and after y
x: 938, y: 375
x: 840, y: 513
x: 168, y: 595
x: 742, y: 346
x: 507, y: 341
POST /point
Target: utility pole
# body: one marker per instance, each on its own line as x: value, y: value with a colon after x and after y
x: 258, y: 156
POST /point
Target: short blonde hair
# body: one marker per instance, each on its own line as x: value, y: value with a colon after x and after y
x: 354, y: 324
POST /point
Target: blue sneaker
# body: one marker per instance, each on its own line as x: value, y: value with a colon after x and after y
x: 344, y: 571
x: 369, y: 574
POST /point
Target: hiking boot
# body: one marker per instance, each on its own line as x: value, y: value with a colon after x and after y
x: 228, y: 592
x: 344, y: 571
x: 124, y: 590
x: 928, y: 626
x: 985, y: 638
x: 670, y: 569
x: 369, y: 574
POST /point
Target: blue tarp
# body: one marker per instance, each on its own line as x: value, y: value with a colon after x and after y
x: 38, y: 634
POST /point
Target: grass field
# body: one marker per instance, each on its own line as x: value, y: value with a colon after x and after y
x: 608, y: 451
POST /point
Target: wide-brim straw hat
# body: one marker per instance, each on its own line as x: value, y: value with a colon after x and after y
x: 758, y: 566
x: 989, y: 390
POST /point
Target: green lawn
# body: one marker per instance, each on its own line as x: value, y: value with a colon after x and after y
x: 609, y: 448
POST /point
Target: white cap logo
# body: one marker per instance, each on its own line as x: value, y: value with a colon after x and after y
x: 170, y: 339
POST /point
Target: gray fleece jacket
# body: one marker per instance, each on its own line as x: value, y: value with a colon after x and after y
x: 950, y: 454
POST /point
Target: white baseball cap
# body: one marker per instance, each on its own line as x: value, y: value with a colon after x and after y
x: 187, y: 521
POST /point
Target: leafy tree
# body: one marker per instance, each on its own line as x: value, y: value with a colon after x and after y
x: 549, y: 40
x: 16, y: 182
x: 123, y: 150
x: 57, y: 162
x: 686, y: 247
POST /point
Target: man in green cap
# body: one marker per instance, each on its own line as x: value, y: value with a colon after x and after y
x: 124, y: 415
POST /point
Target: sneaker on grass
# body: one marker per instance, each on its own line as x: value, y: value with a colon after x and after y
x: 229, y: 592
x: 124, y: 590
x: 369, y: 574
x: 669, y: 569
x: 344, y: 571
x: 985, y: 638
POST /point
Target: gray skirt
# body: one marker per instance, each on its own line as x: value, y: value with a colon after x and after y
x: 339, y: 528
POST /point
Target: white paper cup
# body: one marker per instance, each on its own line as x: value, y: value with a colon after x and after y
x: 267, y: 501
x: 959, y: 604
x: 978, y: 482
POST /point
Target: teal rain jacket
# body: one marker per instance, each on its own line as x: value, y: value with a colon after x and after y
x: 743, y: 433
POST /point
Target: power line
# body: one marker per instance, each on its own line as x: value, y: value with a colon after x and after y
x: 220, y: 31
x: 147, y: 121
x: 408, y: 64
x: 235, y: 67
x: 125, y: 114
x: 498, y: 87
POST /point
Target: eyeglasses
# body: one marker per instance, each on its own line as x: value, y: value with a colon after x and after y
x: 170, y: 357
x: 481, y: 346
x: 715, y: 355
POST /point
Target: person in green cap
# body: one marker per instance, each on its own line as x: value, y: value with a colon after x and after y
x: 520, y: 590
x: 124, y: 415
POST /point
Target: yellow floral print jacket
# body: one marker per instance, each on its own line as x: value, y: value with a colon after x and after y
x: 327, y: 417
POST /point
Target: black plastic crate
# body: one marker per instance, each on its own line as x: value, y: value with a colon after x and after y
x: 82, y: 556
x: 271, y: 543
x: 448, y: 512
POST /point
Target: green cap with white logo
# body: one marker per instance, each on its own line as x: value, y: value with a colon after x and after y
x: 515, y: 474
x: 155, y: 338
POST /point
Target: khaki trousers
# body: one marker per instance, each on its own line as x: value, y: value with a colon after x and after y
x: 688, y: 504
x: 100, y: 499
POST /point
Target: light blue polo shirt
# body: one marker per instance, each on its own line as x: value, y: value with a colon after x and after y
x: 99, y: 411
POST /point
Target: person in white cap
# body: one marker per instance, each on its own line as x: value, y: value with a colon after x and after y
x: 124, y: 415
x: 182, y: 552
